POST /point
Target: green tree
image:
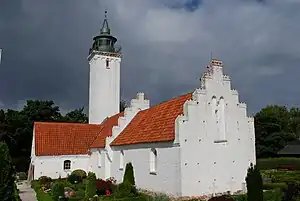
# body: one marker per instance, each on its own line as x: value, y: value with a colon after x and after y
x: 273, y: 129
x: 254, y: 184
x: 34, y: 110
x: 123, y: 105
x: 129, y: 175
x: 7, y: 175
x: 76, y: 116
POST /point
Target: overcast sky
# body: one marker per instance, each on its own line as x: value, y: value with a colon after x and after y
x: 166, y: 46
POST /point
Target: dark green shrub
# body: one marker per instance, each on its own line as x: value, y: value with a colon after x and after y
x: 90, y: 189
x: 80, y: 173
x: 7, y: 174
x: 125, y: 190
x: 292, y: 192
x: 271, y: 186
x: 74, y: 178
x: 57, y: 190
x: 278, y: 163
x: 44, y: 180
x: 222, y: 198
x: 254, y: 184
x: 240, y: 197
x: 129, y: 174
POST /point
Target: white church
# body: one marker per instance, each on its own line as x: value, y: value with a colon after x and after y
x: 199, y: 143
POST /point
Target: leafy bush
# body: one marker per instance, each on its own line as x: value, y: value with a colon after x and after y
x: 222, y: 198
x: 125, y: 190
x: 44, y: 180
x: 80, y: 173
x: 90, y: 189
x: 40, y: 194
x: 57, y: 190
x: 129, y: 174
x: 279, y: 163
x: 74, y: 178
x: 271, y: 186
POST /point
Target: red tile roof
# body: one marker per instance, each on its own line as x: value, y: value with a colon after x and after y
x: 64, y: 138
x: 106, y: 130
x: 156, y: 124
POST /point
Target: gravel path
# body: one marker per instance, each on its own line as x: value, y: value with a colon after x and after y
x: 26, y: 192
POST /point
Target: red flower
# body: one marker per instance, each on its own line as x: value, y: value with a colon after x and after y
x: 107, y: 192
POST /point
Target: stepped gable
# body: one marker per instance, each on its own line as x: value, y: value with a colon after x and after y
x: 106, y: 131
x: 53, y: 138
x: 156, y: 124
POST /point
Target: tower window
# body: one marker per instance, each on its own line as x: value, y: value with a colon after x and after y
x: 107, y: 63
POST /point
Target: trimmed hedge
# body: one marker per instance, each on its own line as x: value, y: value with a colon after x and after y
x: 271, y: 186
x: 278, y: 163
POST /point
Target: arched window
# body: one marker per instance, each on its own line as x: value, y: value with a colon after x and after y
x: 99, y: 158
x: 222, y: 119
x: 153, y: 161
x: 121, y: 160
x: 67, y: 165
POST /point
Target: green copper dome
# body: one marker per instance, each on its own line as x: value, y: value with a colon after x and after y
x: 105, y: 42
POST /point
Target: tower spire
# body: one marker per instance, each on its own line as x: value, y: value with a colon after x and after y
x: 105, y: 28
x: 105, y: 41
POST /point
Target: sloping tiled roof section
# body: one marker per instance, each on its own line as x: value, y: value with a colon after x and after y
x: 52, y: 138
x: 108, y: 124
x: 156, y: 124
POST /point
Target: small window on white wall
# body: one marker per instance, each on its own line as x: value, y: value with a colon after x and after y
x: 67, y: 165
x: 99, y: 158
x: 121, y: 160
x: 153, y: 161
x: 107, y: 63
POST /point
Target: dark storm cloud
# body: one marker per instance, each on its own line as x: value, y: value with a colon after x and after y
x: 44, y: 52
x: 165, y: 50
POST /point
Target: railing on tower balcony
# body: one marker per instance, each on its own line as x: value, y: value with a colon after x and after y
x: 118, y: 49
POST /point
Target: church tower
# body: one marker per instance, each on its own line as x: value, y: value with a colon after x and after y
x: 104, y: 87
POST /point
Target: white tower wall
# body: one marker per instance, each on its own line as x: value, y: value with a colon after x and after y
x: 104, y: 87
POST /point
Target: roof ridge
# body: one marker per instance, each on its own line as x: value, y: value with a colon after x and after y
x: 95, y: 138
x: 59, y: 122
x: 166, y: 101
